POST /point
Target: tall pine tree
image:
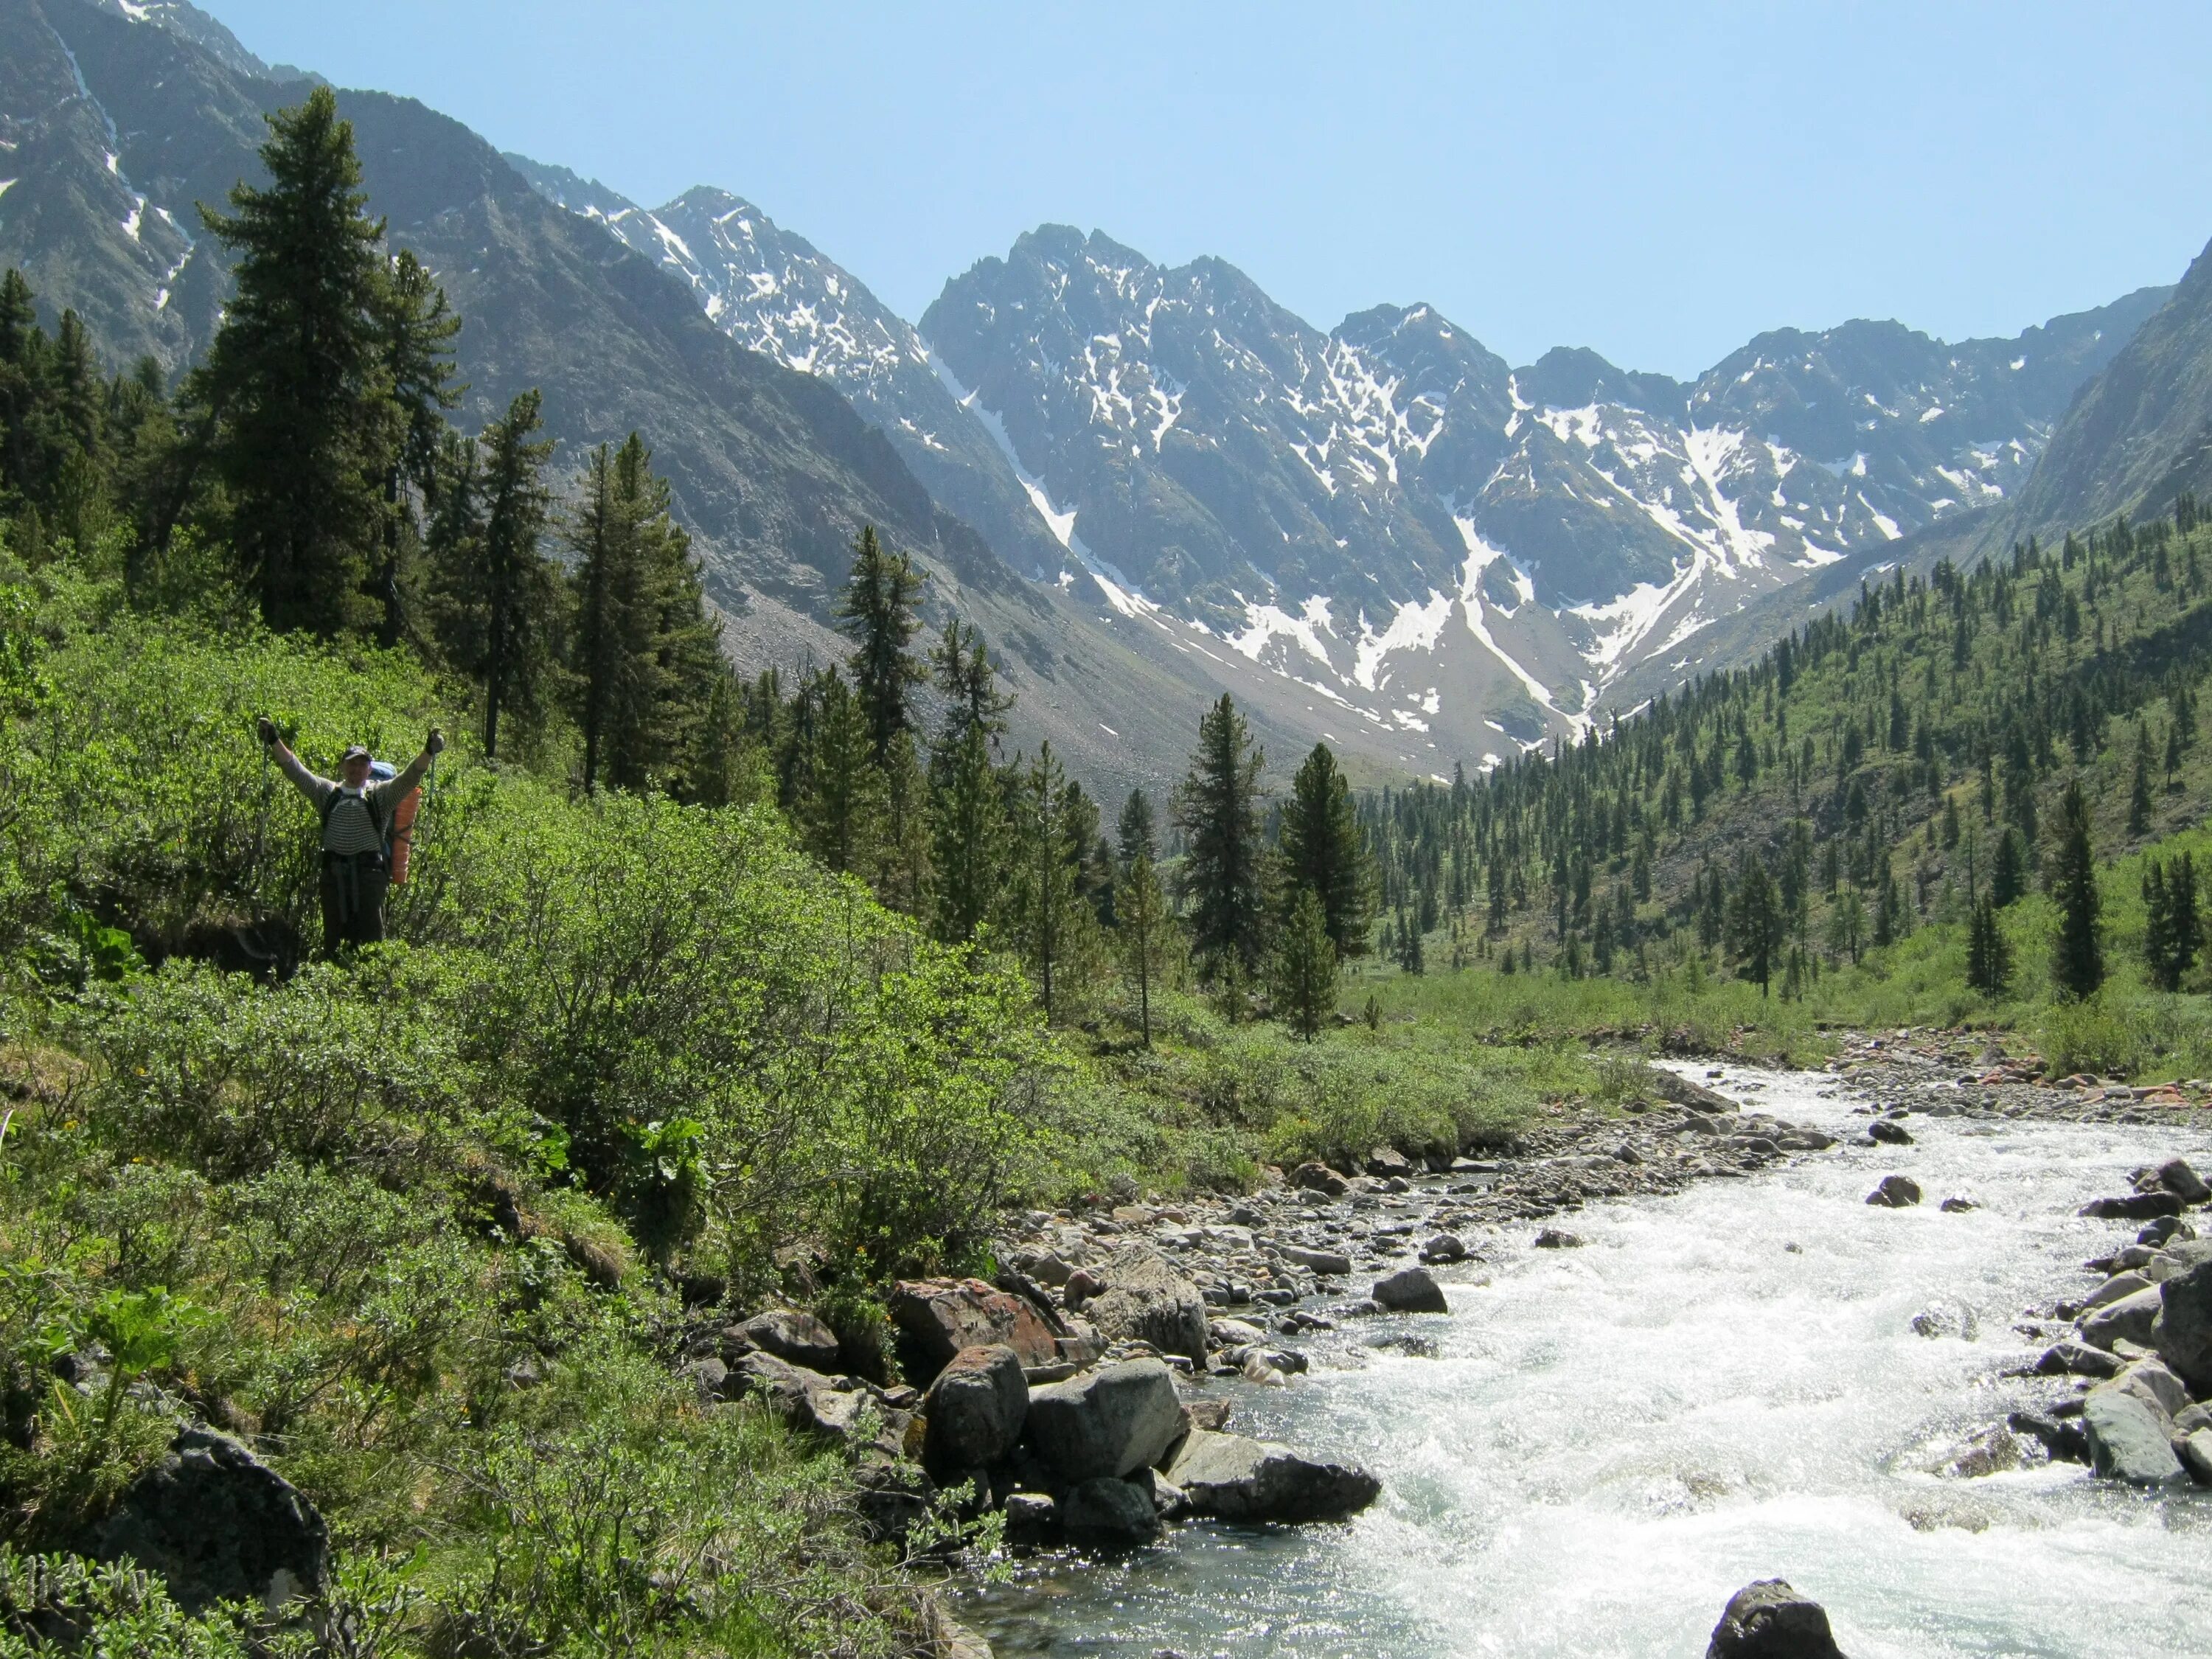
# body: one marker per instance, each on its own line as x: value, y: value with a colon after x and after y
x: 2077, y: 960
x: 1217, y: 807
x: 295, y: 399
x: 1324, y: 852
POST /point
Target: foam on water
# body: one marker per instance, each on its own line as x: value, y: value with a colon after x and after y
x: 1722, y: 1385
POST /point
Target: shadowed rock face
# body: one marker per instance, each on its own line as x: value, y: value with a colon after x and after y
x: 218, y: 1524
x: 1768, y: 1620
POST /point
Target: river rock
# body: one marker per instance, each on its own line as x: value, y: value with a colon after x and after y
x: 2136, y: 1207
x: 1889, y: 1134
x: 1411, y: 1289
x: 2069, y: 1357
x: 1958, y: 1204
x: 2157, y: 1230
x: 1112, y: 1421
x: 1444, y: 1247
x: 1555, y: 1238
x: 1387, y: 1161
x: 1238, y: 1479
x: 2196, y: 1455
x: 2114, y: 1289
x: 976, y: 1409
x: 1891, y: 1192
x: 2181, y: 1329
x: 2127, y: 1441
x: 1669, y: 1086
x: 2128, y: 1320
x: 2150, y: 1382
x: 1320, y: 1178
x: 799, y: 1338
x: 1111, y: 1512
x: 1147, y: 1300
x: 2061, y: 1436
x: 1768, y: 1620
x: 1234, y: 1332
x: 219, y: 1525
x: 1032, y: 1519
x: 2184, y: 1182
x: 1317, y: 1261
x: 936, y: 1318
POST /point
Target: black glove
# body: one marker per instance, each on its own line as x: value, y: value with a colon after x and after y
x: 436, y: 745
x: 266, y: 729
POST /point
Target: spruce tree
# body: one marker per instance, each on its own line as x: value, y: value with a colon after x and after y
x: 495, y: 598
x: 842, y: 813
x: 1324, y: 851
x: 1303, y: 974
x: 2139, y: 802
x: 876, y: 612
x: 295, y: 396
x: 646, y: 655
x: 2077, y: 965
x: 1989, y: 958
x: 968, y: 832
x: 1217, y: 809
x: 1756, y: 924
x: 2158, y: 929
x: 1053, y: 926
x: 2009, y: 871
x: 415, y: 330
x: 961, y: 667
x: 1146, y: 929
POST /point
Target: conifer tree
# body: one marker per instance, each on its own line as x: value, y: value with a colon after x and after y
x: 1145, y: 927
x: 876, y: 612
x: 415, y: 330
x: 2139, y: 793
x: 1757, y: 926
x: 1324, y: 852
x: 2077, y: 966
x: 295, y: 396
x: 961, y: 667
x: 1304, y: 966
x: 2171, y: 927
x: 1053, y: 925
x: 2008, y: 870
x: 967, y: 798
x: 1989, y: 958
x: 495, y: 598
x: 843, y: 812
x: 646, y: 655
x: 1217, y: 809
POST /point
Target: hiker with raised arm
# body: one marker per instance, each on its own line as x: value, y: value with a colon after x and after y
x: 357, y: 812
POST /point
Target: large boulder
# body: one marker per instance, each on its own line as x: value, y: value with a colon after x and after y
x: 936, y: 1318
x: 1672, y: 1085
x: 799, y: 1339
x: 1112, y: 1421
x: 2128, y: 1319
x: 219, y: 1525
x: 976, y: 1409
x: 1770, y: 1620
x: 1147, y: 1300
x: 2184, y: 1182
x: 1238, y: 1479
x: 2136, y: 1207
x: 2127, y: 1438
x: 1411, y: 1289
x: 2181, y: 1329
x: 1891, y: 1192
x: 1317, y: 1261
x: 1115, y: 1513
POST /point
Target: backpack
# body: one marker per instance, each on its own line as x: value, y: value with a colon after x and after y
x: 382, y: 825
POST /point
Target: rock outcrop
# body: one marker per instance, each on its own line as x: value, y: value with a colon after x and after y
x: 219, y: 1525
x: 1236, y: 1479
x: 1768, y: 1620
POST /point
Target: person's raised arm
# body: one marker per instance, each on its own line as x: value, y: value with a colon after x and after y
x: 306, y: 782
x: 401, y: 787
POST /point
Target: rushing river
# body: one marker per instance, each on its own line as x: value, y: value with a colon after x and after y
x: 1722, y: 1385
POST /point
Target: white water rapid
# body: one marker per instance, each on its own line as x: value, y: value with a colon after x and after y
x: 1721, y: 1386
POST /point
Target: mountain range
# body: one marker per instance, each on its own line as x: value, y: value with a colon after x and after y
x: 1148, y: 483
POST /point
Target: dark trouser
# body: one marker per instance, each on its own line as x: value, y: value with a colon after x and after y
x: 353, y: 899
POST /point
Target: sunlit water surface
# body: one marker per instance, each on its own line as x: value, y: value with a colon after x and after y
x: 1723, y: 1385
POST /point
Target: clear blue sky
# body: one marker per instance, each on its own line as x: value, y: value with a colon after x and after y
x: 1659, y: 182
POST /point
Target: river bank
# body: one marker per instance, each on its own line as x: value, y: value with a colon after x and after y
x: 1744, y: 1371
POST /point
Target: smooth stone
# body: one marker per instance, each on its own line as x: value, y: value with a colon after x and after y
x: 1895, y: 1191
x: 1958, y: 1204
x: 1768, y: 1620
x: 2131, y: 1319
x: 1105, y: 1511
x: 1317, y: 1261
x: 1411, y: 1289
x: 799, y: 1338
x: 1238, y: 1479
x: 2196, y: 1454
x: 2127, y: 1441
x: 1112, y: 1421
x: 2069, y: 1357
x: 2181, y: 1329
x: 1148, y: 1299
x: 217, y: 1524
x: 2114, y: 1289
x: 1554, y: 1238
x: 2184, y: 1182
x: 1444, y: 1247
x: 1888, y: 1134
x: 2136, y: 1207
x: 976, y: 1409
